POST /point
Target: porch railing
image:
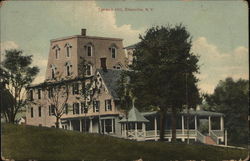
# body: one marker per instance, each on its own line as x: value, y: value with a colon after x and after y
x: 200, y: 137
x: 214, y: 137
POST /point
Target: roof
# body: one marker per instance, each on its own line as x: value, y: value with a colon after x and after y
x: 191, y: 112
x: 110, y: 78
x: 87, y: 37
x: 134, y: 116
x: 131, y: 46
x: 202, y: 113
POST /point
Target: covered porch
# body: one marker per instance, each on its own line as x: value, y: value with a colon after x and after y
x: 215, y: 133
x: 105, y: 124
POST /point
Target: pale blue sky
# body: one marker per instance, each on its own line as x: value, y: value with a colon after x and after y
x: 219, y: 29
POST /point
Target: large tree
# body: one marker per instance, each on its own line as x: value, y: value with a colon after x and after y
x: 16, y: 75
x: 125, y: 95
x: 232, y: 98
x: 163, y: 70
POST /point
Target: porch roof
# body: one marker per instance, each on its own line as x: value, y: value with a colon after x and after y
x: 201, y: 113
x: 134, y: 116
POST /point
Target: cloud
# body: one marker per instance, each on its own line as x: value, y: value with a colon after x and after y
x: 216, y: 65
x: 87, y: 14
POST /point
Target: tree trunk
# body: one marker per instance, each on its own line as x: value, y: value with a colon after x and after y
x: 162, y: 123
x: 173, y: 123
x: 57, y: 122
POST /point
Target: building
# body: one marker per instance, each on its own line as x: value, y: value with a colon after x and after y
x: 105, y: 58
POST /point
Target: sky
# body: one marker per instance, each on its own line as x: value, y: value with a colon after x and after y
x: 219, y: 29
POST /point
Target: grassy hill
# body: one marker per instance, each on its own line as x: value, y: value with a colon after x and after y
x: 26, y: 142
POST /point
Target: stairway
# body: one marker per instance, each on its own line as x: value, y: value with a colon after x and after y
x: 209, y: 140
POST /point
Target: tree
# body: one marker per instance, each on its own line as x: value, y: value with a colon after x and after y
x: 232, y: 98
x: 57, y: 95
x: 88, y: 89
x: 124, y: 94
x: 16, y: 75
x: 162, y: 67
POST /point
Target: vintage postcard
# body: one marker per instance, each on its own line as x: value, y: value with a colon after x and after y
x: 124, y: 80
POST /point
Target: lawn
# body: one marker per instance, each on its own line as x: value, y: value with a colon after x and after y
x: 22, y: 142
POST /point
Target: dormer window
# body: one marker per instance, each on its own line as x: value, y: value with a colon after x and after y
x: 68, y: 49
x: 113, y: 52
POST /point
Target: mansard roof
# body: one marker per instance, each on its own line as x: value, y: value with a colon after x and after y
x: 134, y: 116
x: 110, y: 78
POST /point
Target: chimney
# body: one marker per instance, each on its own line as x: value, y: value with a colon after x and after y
x: 84, y: 32
x: 103, y: 64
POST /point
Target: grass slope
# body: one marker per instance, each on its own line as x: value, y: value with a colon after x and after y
x: 26, y: 142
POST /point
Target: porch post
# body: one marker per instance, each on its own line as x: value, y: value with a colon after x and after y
x: 135, y: 130
x: 209, y: 125
x: 144, y: 129
x: 70, y: 125
x: 182, y: 124
x: 125, y: 129
x: 225, y: 137
x: 195, y: 123
x: 90, y: 125
x: 112, y: 125
x: 104, y: 128
x: 221, y: 123
x: 155, y: 129
x: 81, y: 125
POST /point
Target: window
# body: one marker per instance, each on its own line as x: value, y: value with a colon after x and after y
x: 68, y: 67
x: 52, y: 110
x: 96, y: 106
x: 39, y: 111
x: 84, y: 108
x: 52, y: 73
x: 75, y: 88
x: 31, y: 95
x: 39, y: 92
x: 68, y: 70
x: 113, y: 52
x: 68, y: 51
x: 89, y: 70
x: 50, y: 93
x: 66, y: 109
x: 75, y: 108
x: 108, y: 105
x: 57, y: 53
x: 31, y: 112
x: 89, y: 50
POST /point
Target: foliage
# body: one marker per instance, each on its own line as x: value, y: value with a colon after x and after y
x: 57, y: 94
x: 59, y: 144
x: 161, y: 69
x: 232, y: 98
x: 125, y: 95
x: 16, y: 75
